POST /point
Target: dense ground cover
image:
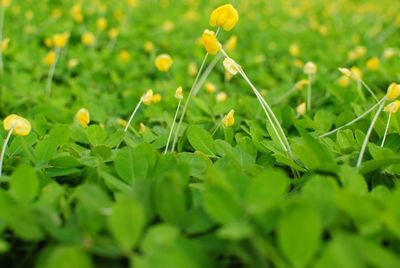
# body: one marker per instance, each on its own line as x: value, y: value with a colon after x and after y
x: 76, y: 193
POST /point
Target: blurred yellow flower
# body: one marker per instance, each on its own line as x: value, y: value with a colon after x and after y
x: 179, y: 93
x: 294, y: 50
x: 82, y: 117
x: 392, y: 107
x: 356, y: 73
x: 310, y: 68
x: 88, y: 39
x: 221, y: 97
x: 390, y: 53
x: 147, y: 98
x: 124, y: 55
x: 224, y: 16
x: 101, y: 24
x: 192, y: 69
x: 301, y: 84
x: 393, y: 92
x: 142, y: 128
x: 301, y: 108
x: 5, y: 3
x: 210, y: 42
x: 72, y: 63
x: 231, y: 44
x: 48, y: 42
x: 229, y: 119
x: 50, y: 58
x: 19, y: 125
x: 4, y: 44
x: 148, y: 46
x: 76, y: 13
x: 210, y: 87
x: 373, y: 64
x: 113, y: 33
x: 60, y: 40
x: 163, y: 62
x: 156, y: 98
x: 344, y: 81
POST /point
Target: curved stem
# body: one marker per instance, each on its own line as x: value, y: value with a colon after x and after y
x: 371, y: 127
x: 386, y: 129
x: 173, y: 125
x: 132, y: 115
x: 369, y: 89
x: 3, y: 150
x: 51, y: 73
x: 354, y: 120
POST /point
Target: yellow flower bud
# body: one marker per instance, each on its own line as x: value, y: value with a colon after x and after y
x: 147, y: 98
x: 113, y: 33
x: 82, y: 117
x: 294, y: 50
x: 60, y: 40
x: 192, y: 69
x: 148, y: 46
x: 229, y: 119
x: 231, y: 44
x: 124, y: 55
x: 230, y: 66
x: 389, y: 53
x: 392, y: 107
x: 101, y: 24
x: 301, y: 108
x: 224, y: 16
x: 50, y: 58
x: 163, y: 62
x: 179, y: 93
x: 4, y: 44
x: 210, y: 87
x: 373, y: 64
x: 356, y: 73
x: 142, y: 128
x: 48, y: 42
x: 310, y: 68
x: 344, y: 81
x: 121, y: 122
x: 88, y: 39
x: 393, y: 92
x: 19, y: 125
x: 210, y: 42
x: 221, y: 97
x: 72, y: 63
x: 301, y: 84
x: 156, y: 98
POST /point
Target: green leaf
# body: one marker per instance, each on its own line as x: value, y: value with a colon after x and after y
x: 45, y: 150
x: 66, y: 257
x: 126, y: 222
x: 201, y: 140
x: 266, y: 191
x: 24, y: 185
x: 96, y: 135
x: 130, y: 164
x: 299, y: 233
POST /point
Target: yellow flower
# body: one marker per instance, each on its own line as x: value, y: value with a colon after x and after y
x: 231, y: 44
x: 48, y: 42
x: 389, y: 53
x: 142, y: 128
x: 360, y: 51
x: 113, y: 33
x: 60, y: 40
x: 192, y: 69
x: 147, y: 98
x: 101, y: 24
x: 210, y: 42
x: 392, y: 107
x: 19, y: 125
x: 4, y: 44
x: 294, y: 50
x: 301, y: 108
x: 88, y: 39
x: 156, y: 98
x: 344, y: 81
x: 357, y: 74
x: 179, y: 93
x: 163, y: 62
x: 310, y: 68
x: 230, y: 66
x: 229, y: 119
x: 224, y: 16
x: 393, y: 92
x: 221, y: 97
x: 148, y: 46
x: 76, y: 13
x: 301, y: 84
x: 50, y: 58
x: 373, y: 64
x: 72, y: 63
x: 124, y: 55
x: 5, y: 3
x: 132, y: 3
x: 210, y: 87
x: 83, y: 117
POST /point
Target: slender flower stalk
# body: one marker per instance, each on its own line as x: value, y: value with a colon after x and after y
x: 310, y: 69
x: 179, y: 96
x: 2, y: 14
x: 309, y: 88
x: 267, y: 109
x: 386, y: 130
x: 371, y: 127
x: 132, y: 115
x: 3, y: 149
x: 354, y: 120
x: 51, y: 73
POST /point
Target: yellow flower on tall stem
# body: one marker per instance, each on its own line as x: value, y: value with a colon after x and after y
x: 225, y: 16
x: 163, y: 62
x: 391, y: 108
x: 179, y: 96
x: 17, y: 125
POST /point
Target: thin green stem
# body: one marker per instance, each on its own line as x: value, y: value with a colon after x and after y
x: 3, y: 150
x: 51, y: 73
x: 2, y: 14
x: 369, y: 89
x: 359, y: 90
x: 371, y: 127
x: 173, y: 125
x: 354, y: 120
x: 204, y: 76
x: 309, y: 88
x: 132, y: 115
x: 386, y: 129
